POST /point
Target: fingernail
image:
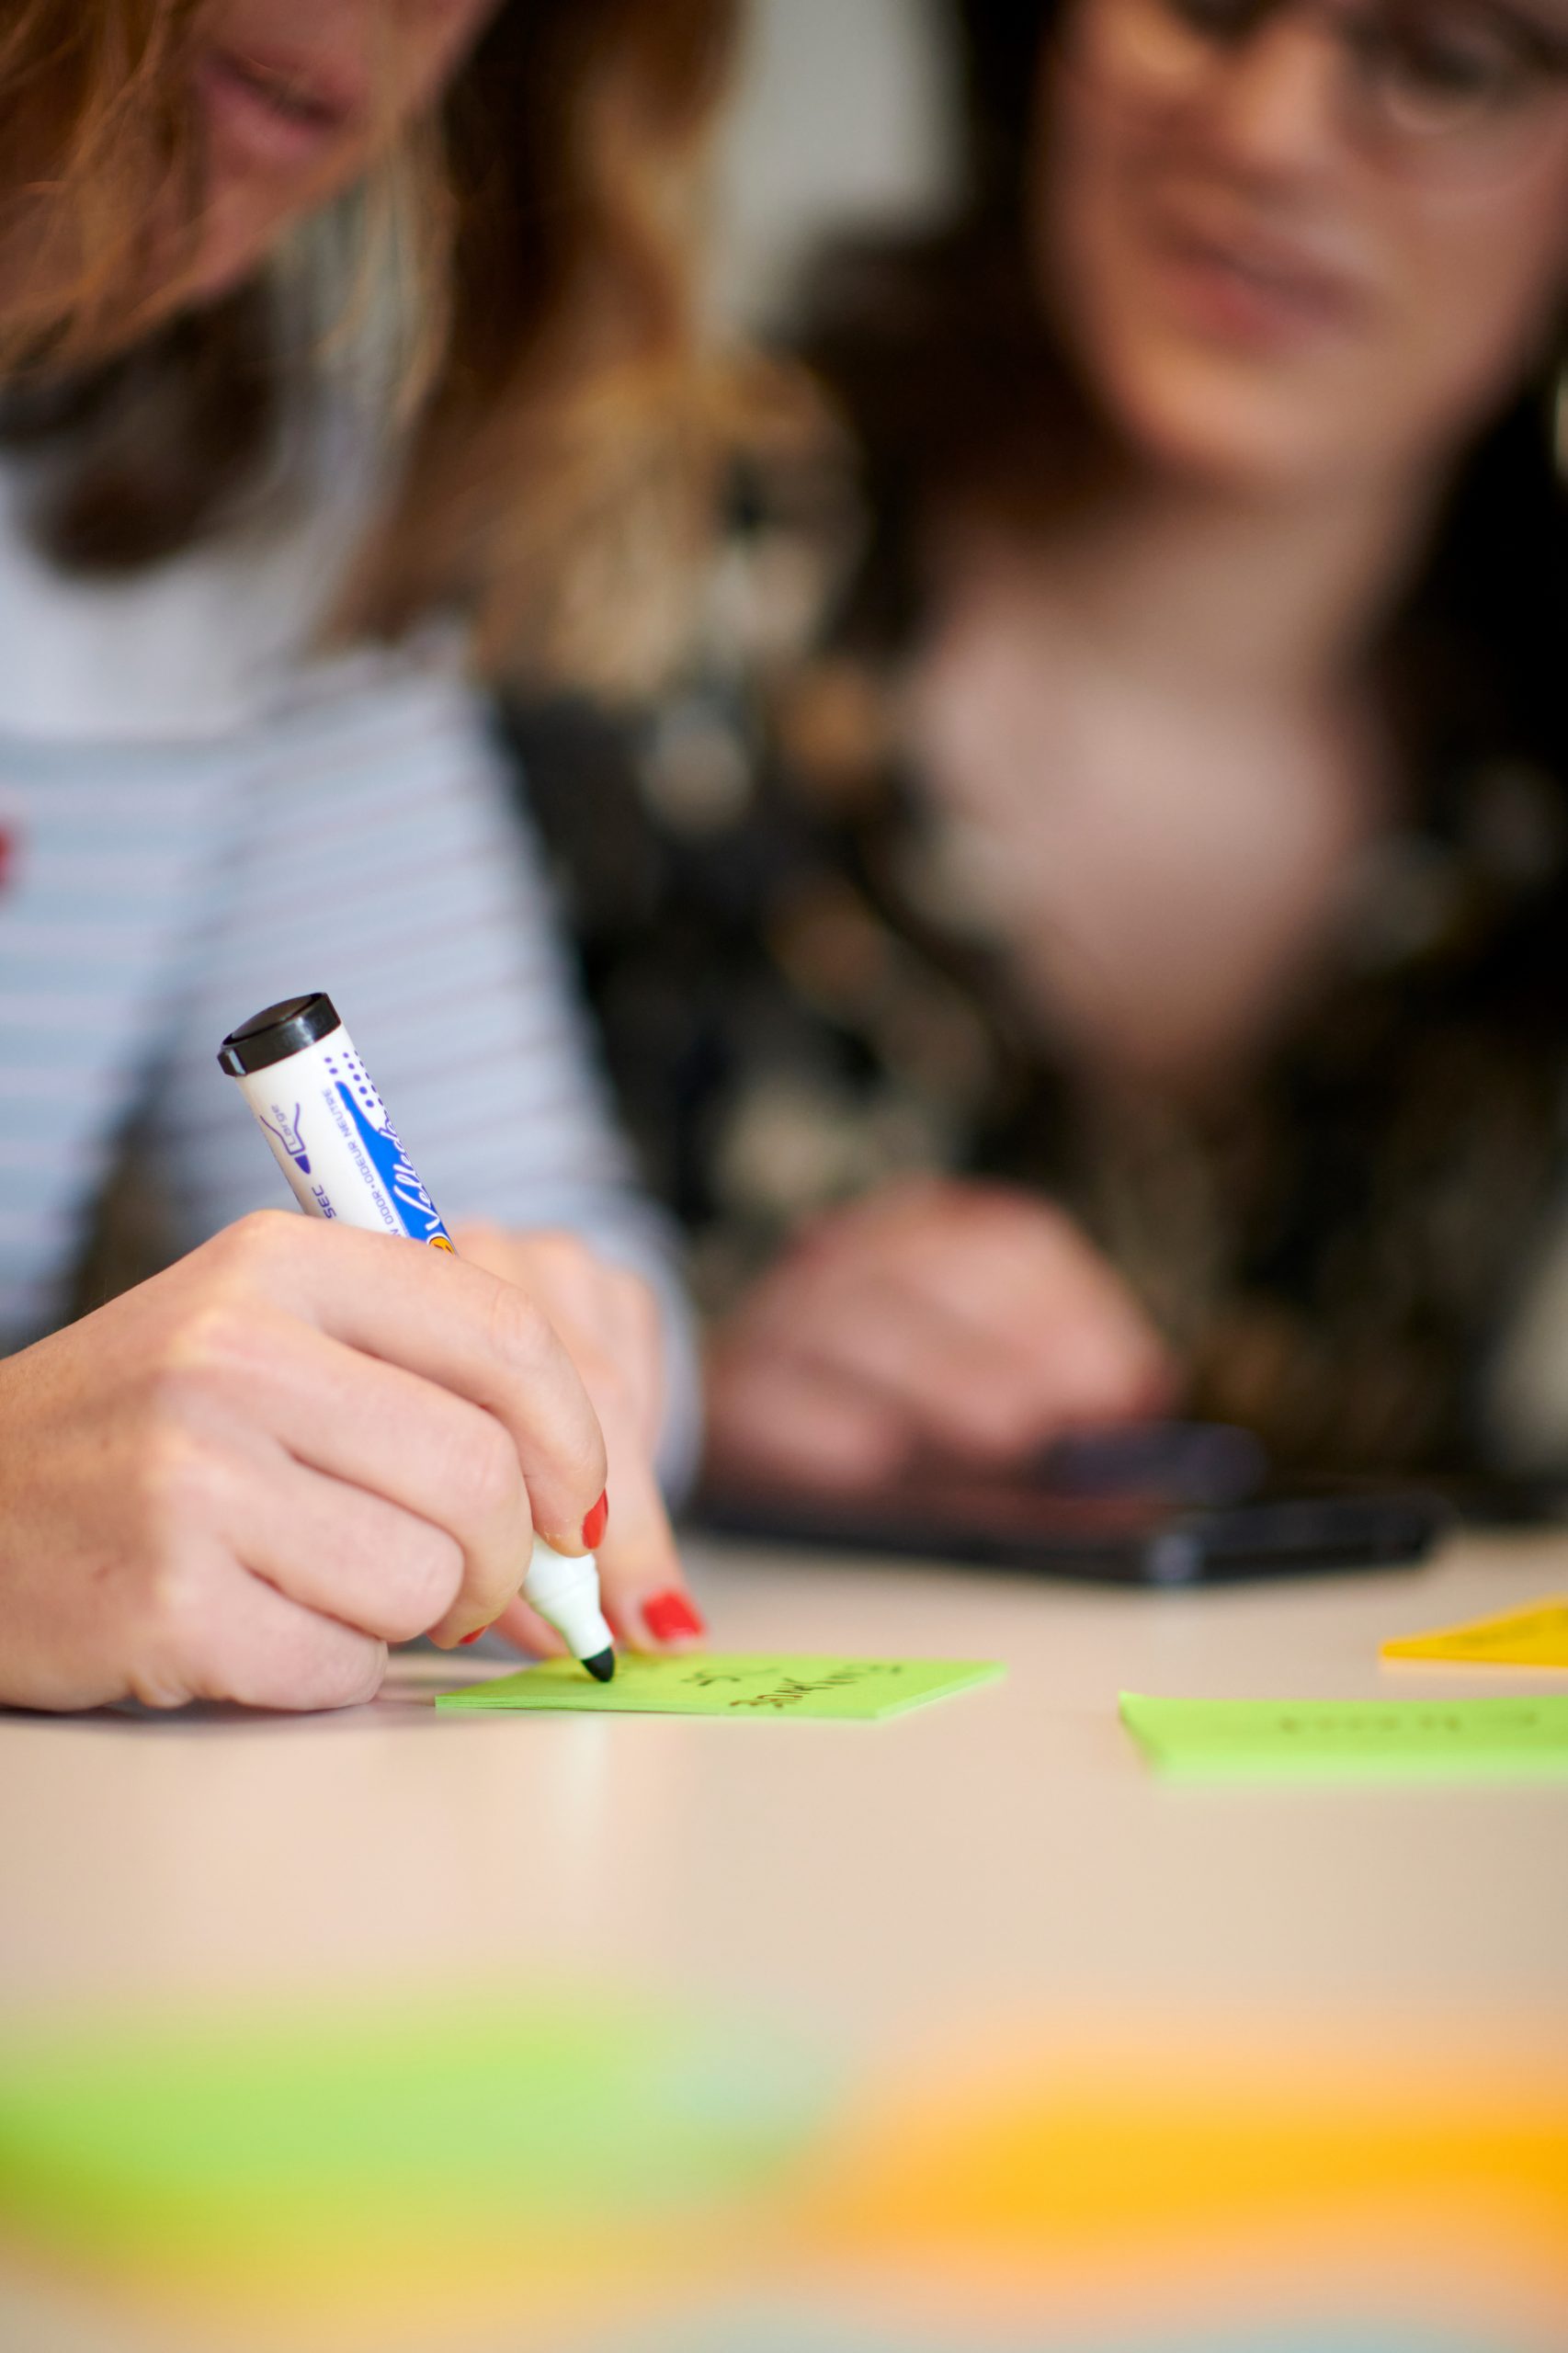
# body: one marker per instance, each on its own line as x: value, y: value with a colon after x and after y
x: 669, y: 1616
x: 594, y: 1524
x: 464, y: 1640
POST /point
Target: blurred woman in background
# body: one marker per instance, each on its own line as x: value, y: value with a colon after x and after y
x: 1150, y: 902
x: 345, y: 345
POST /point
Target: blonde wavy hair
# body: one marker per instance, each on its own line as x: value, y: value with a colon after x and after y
x: 560, y: 424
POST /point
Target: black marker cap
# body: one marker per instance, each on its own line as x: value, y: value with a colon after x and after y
x: 281, y: 1030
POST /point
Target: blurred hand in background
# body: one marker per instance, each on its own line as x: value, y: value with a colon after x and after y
x: 968, y: 1318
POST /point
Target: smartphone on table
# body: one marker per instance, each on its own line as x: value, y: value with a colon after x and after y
x: 1163, y: 1503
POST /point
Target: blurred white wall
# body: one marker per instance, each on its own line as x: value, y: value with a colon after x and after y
x: 840, y: 117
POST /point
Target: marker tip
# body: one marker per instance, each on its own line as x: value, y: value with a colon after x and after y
x: 601, y: 1666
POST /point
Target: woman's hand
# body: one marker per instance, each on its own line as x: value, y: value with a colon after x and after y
x: 936, y: 1315
x: 245, y: 1478
x: 608, y: 1321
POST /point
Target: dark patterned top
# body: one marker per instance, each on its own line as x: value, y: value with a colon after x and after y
x: 799, y: 1000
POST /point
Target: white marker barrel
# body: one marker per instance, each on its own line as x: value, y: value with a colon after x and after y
x: 296, y: 1068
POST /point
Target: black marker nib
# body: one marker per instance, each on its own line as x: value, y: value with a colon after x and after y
x: 601, y: 1666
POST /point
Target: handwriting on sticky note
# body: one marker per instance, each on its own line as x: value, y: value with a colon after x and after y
x: 1535, y: 1636
x: 727, y: 1684
x: 1351, y: 1739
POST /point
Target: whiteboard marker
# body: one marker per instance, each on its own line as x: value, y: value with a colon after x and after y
x: 330, y: 1134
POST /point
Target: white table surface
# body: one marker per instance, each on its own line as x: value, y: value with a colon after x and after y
x: 1007, y: 1846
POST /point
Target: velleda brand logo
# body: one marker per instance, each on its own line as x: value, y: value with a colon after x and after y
x: 287, y: 1131
x: 420, y: 1216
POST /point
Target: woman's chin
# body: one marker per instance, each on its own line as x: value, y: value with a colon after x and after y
x: 232, y: 243
x: 1236, y: 440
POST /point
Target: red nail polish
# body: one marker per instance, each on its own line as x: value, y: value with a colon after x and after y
x: 464, y: 1640
x: 669, y: 1616
x: 594, y: 1524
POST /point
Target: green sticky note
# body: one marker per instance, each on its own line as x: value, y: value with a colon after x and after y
x: 385, y: 2149
x: 1211, y: 1740
x: 710, y: 1683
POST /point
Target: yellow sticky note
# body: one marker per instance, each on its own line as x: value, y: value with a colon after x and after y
x: 1535, y: 1636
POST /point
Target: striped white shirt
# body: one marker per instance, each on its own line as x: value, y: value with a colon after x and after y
x: 195, y: 822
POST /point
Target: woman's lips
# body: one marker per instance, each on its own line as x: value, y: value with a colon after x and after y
x: 1258, y: 291
x: 274, y: 115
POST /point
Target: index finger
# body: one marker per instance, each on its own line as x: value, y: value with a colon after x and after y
x: 468, y: 1331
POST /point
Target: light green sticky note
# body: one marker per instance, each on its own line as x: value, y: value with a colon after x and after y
x: 1210, y: 1740
x: 388, y: 2144
x: 712, y: 1684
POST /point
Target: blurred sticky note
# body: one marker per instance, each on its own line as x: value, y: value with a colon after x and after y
x: 379, y: 2161
x: 1534, y: 1636
x: 1211, y: 1740
x: 710, y: 1684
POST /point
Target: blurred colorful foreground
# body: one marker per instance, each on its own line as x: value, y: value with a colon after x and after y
x: 596, y: 2175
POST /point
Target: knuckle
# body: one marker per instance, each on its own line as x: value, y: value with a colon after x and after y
x: 572, y: 1481
x: 252, y: 1249
x: 320, y: 1666
x: 520, y: 1333
x: 421, y: 1584
x: 617, y: 1403
x: 354, y: 1678
x: 174, y: 1609
x: 211, y: 1339
x: 483, y: 1473
x: 591, y: 1468
x: 179, y: 1482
